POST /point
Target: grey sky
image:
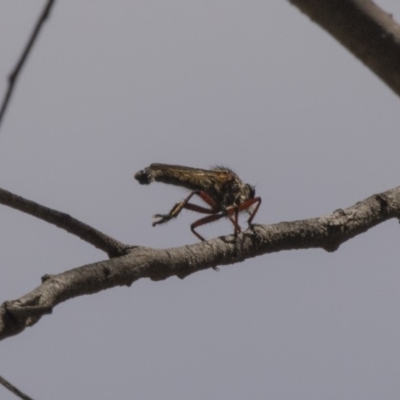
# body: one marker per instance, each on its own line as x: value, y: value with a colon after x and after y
x: 114, y: 86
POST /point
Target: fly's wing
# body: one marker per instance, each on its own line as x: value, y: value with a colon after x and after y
x: 187, y: 177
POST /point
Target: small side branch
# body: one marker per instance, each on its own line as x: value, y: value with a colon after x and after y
x: 368, y: 32
x: 64, y: 221
x: 13, y: 77
x: 327, y: 232
x: 13, y: 389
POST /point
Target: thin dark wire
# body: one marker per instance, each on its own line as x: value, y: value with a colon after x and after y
x: 13, y: 389
x: 12, y: 79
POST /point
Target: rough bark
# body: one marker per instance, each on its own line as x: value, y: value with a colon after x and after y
x: 327, y: 232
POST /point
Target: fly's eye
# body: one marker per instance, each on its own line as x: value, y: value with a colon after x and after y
x: 252, y: 190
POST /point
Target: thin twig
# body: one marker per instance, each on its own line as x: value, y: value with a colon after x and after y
x: 13, y: 77
x: 13, y: 389
x: 64, y: 221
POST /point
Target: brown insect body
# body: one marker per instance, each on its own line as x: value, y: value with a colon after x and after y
x: 220, y: 183
x: 219, y: 187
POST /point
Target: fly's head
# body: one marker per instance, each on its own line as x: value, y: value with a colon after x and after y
x: 247, y: 192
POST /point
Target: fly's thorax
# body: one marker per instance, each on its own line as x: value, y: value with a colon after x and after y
x: 234, y: 192
x: 246, y: 192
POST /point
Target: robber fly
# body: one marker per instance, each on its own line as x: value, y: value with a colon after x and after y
x: 220, y: 188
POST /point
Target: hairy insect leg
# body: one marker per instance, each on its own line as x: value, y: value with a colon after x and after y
x: 247, y: 204
x: 233, y: 212
x: 235, y: 218
x: 217, y: 215
x: 199, y: 209
x: 203, y: 221
x: 178, y: 207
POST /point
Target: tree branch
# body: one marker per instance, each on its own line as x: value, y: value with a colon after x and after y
x: 13, y: 77
x: 327, y: 232
x: 64, y: 221
x: 13, y: 389
x: 363, y: 28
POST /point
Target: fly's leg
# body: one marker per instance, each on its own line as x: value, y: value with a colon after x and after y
x: 232, y: 213
x: 203, y: 221
x: 243, y: 207
x: 178, y: 207
x: 247, y: 204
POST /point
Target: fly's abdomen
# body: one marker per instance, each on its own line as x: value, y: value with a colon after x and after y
x: 190, y: 178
